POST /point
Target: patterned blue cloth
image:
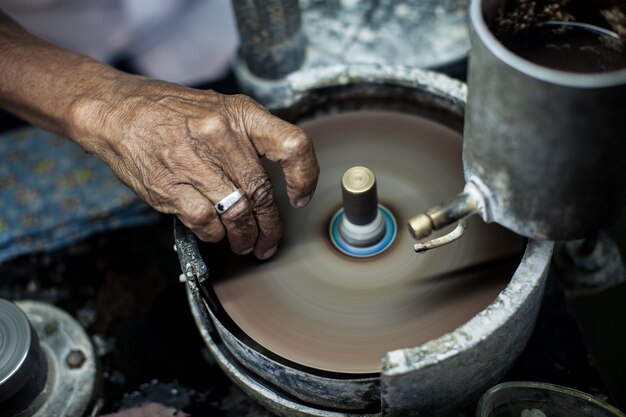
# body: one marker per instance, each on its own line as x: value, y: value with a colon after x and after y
x: 52, y: 193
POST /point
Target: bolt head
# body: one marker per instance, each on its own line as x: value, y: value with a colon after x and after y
x: 75, y: 359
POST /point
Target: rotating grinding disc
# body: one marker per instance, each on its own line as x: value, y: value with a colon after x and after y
x: 319, y: 308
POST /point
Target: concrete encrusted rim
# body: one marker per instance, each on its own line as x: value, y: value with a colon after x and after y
x: 302, y: 83
x: 527, y: 277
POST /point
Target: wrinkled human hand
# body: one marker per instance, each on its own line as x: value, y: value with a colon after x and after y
x: 183, y: 150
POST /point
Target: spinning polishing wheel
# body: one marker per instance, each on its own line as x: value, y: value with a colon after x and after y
x: 346, y: 319
x: 339, y: 307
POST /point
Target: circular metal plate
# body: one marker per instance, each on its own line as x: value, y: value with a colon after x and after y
x: 17, y: 351
x: 71, y: 361
x: 316, y: 307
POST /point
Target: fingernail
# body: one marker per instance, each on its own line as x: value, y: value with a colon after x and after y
x: 269, y: 253
x: 303, y: 201
x: 247, y: 251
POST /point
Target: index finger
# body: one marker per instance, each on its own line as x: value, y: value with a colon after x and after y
x: 290, y: 146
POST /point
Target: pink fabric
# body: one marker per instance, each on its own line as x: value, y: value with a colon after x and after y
x: 149, y: 410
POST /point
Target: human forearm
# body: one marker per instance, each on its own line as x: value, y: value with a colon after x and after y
x: 181, y: 150
x: 51, y: 87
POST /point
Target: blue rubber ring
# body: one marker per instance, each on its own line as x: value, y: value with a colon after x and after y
x: 367, y: 251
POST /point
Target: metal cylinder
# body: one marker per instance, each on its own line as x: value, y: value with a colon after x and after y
x: 546, y: 146
x: 363, y: 223
x: 23, y: 366
x: 359, y: 195
x: 272, y: 41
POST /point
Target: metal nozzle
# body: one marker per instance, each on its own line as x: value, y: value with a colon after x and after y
x: 420, y: 226
x: 438, y: 217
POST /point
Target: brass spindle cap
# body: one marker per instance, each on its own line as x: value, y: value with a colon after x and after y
x: 359, y: 194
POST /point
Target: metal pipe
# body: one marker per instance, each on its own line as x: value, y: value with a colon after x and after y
x: 459, y: 207
x: 272, y: 41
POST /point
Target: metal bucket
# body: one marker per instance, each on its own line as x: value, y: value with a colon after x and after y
x: 545, y: 146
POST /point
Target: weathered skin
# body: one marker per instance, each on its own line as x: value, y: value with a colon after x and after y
x: 181, y: 150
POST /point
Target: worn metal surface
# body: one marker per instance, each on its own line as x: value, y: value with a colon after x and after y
x: 428, y: 34
x: 442, y: 375
x: 438, y: 217
x: 352, y: 87
x: 194, y: 271
x: 23, y: 367
x: 70, y: 385
x: 546, y: 147
x: 254, y: 386
x: 272, y: 42
x: 351, y: 395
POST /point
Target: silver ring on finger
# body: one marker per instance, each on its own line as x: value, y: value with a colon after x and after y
x: 230, y: 200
